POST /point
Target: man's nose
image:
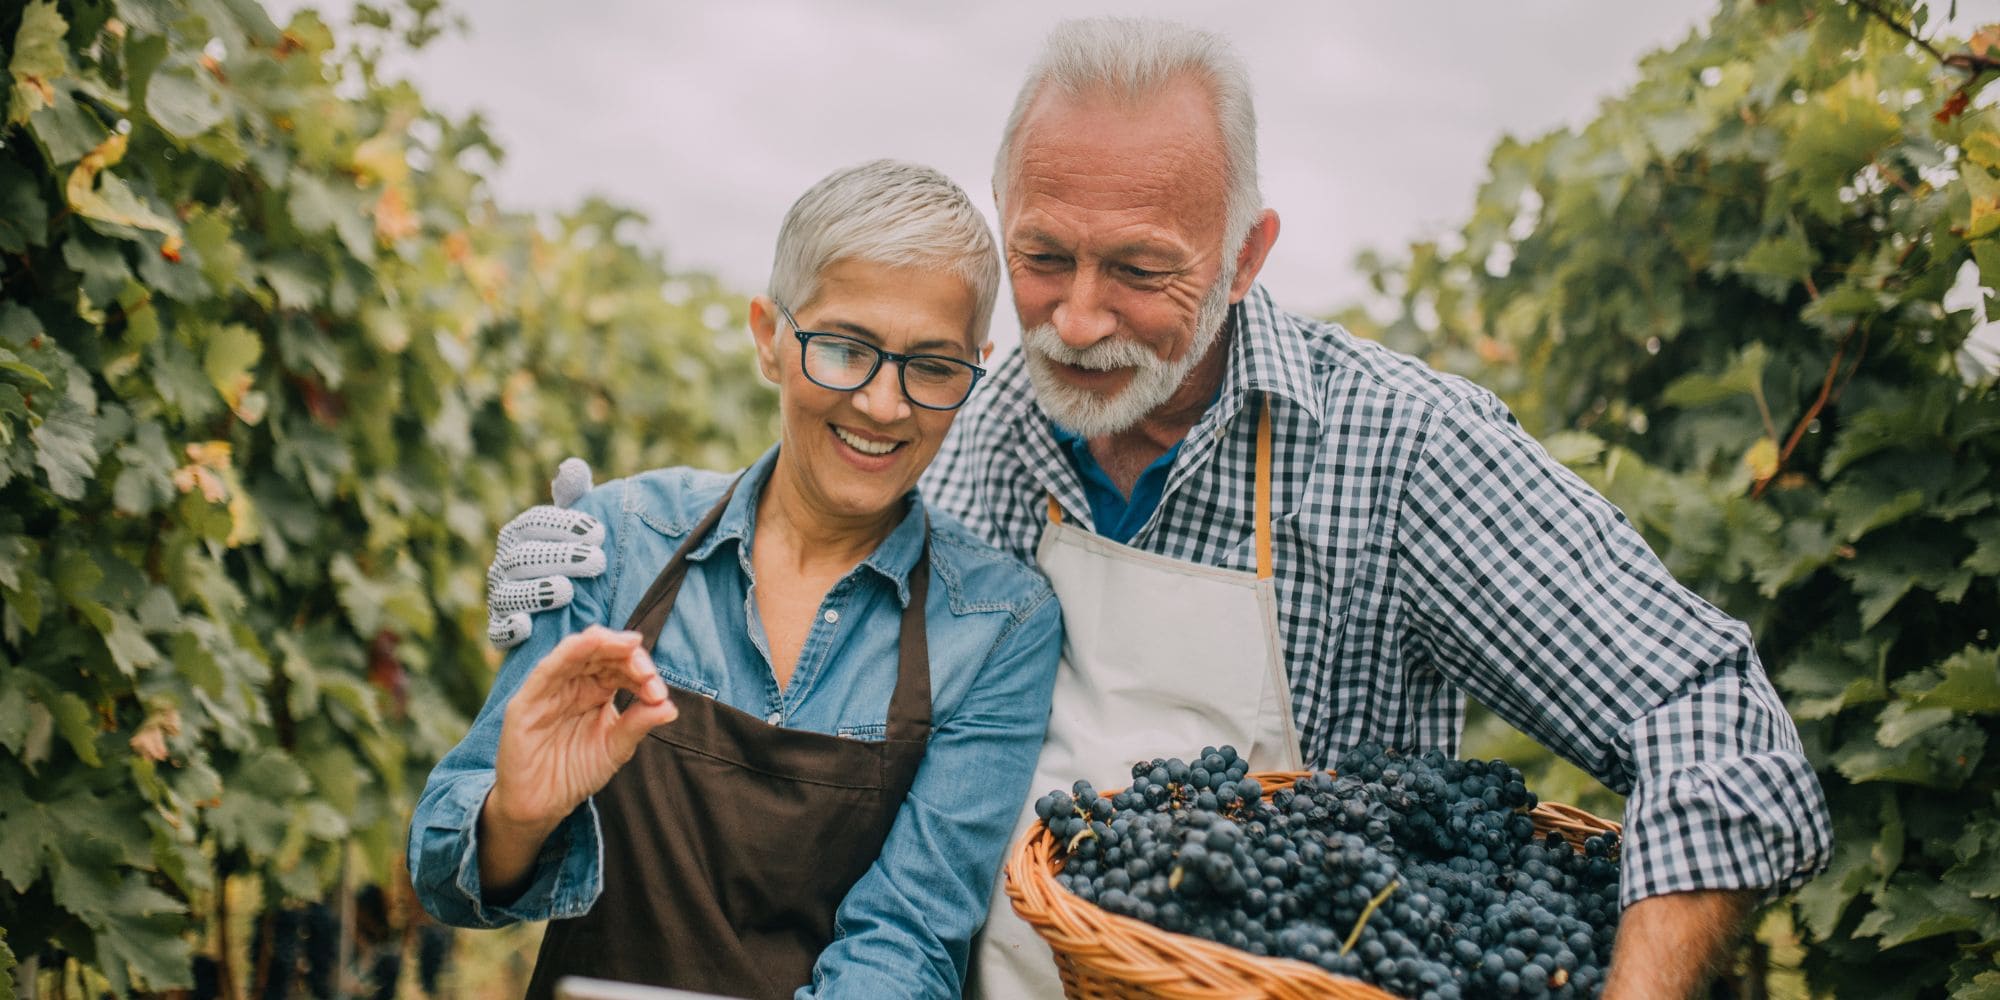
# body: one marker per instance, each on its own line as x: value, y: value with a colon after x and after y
x: 1084, y: 317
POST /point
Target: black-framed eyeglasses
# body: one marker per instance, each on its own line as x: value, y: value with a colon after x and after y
x: 842, y: 363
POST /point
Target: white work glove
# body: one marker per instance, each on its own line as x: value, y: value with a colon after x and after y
x: 537, y: 554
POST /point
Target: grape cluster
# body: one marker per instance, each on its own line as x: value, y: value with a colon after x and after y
x: 1418, y: 873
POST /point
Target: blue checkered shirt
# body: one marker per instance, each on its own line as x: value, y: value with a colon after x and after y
x: 1428, y: 549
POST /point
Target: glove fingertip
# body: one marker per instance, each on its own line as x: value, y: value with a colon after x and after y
x: 572, y: 481
x: 508, y: 632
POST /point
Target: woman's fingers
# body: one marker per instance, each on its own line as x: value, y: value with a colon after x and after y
x: 638, y: 719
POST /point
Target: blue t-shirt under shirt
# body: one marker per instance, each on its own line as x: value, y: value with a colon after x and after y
x: 1116, y: 516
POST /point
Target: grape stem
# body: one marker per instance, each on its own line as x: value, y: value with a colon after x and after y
x: 1366, y: 912
x: 1078, y: 839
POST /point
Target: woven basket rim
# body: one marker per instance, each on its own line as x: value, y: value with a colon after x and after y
x: 1119, y: 956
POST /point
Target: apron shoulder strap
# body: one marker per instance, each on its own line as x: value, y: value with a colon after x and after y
x: 910, y: 705
x: 651, y: 614
x: 1263, y: 508
x: 1265, y: 569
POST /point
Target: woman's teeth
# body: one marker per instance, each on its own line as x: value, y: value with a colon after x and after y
x: 867, y: 447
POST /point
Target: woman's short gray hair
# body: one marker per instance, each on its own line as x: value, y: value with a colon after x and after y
x: 886, y: 212
x: 1134, y: 59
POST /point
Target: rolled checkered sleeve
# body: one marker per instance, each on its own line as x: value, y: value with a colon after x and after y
x: 1535, y: 596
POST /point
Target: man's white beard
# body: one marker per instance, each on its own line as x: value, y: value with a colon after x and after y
x: 1153, y: 381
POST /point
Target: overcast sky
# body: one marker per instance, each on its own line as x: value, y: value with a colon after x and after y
x: 711, y: 118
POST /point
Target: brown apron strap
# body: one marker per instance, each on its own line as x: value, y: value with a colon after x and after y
x: 651, y: 614
x: 909, y: 715
x: 910, y: 705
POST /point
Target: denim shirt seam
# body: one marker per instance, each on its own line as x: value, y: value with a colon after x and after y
x: 818, y: 648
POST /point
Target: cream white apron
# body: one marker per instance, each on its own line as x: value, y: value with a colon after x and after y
x: 1160, y: 658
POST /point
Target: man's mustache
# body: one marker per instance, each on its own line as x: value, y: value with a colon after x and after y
x: 1106, y: 355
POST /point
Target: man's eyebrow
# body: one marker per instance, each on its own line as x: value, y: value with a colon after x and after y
x: 1132, y: 248
x: 933, y: 345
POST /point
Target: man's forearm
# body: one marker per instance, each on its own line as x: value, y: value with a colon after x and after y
x: 1671, y: 946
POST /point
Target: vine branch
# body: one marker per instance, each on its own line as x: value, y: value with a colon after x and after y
x: 1826, y: 393
x: 1969, y: 61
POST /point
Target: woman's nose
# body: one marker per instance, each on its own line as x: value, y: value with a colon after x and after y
x: 882, y: 398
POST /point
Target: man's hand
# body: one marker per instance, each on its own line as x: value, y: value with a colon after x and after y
x: 562, y: 739
x: 537, y: 554
x: 1671, y: 947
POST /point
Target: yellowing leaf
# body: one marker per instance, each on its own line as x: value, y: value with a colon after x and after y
x: 380, y: 159
x: 230, y: 354
x: 39, y: 57
x: 1762, y: 458
x: 394, y: 221
x: 1982, y: 148
x: 95, y: 194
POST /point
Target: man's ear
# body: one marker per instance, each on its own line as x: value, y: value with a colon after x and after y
x: 1250, y: 257
x: 764, y: 333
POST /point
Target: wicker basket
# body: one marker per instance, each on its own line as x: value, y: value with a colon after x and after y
x: 1104, y: 956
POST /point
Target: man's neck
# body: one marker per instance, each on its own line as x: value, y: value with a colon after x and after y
x: 1127, y: 453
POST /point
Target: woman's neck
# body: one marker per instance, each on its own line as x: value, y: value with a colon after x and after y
x: 806, y: 536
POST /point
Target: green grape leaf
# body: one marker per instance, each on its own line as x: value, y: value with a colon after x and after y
x: 255, y: 808
x: 127, y: 643
x: 66, y: 130
x: 1743, y: 376
x: 1901, y: 721
x: 183, y: 100
x: 7, y: 964
x: 24, y: 215
x: 66, y: 449
x: 1970, y: 683
x: 1911, y: 910
x: 100, y: 262
x: 1977, y: 872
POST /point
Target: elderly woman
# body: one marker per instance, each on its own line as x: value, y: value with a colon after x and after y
x: 795, y: 766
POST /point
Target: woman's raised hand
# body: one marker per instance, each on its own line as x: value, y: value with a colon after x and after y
x: 563, y: 737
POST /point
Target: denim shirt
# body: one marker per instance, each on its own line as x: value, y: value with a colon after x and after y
x: 994, y: 633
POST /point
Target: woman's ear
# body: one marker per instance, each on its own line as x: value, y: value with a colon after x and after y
x: 764, y: 333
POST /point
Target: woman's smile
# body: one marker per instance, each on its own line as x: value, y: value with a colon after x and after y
x: 871, y: 452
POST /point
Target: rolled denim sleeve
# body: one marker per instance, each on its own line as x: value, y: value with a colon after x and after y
x: 444, y: 830
x: 1533, y: 594
x: 906, y: 927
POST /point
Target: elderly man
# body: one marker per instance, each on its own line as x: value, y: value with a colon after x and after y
x: 1266, y: 532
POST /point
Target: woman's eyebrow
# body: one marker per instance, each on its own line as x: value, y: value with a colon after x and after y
x: 934, y: 345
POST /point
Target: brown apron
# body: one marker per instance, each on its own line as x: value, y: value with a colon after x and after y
x: 730, y: 842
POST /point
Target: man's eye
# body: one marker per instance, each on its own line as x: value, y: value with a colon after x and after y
x: 1044, y: 259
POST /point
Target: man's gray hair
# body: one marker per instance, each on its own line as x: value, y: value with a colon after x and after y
x: 1134, y: 59
x: 892, y: 213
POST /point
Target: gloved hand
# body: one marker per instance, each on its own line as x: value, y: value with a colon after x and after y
x: 537, y: 554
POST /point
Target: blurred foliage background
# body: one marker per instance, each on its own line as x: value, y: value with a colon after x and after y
x: 274, y: 367
x: 1747, y: 303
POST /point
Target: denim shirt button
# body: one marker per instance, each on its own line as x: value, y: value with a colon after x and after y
x: 832, y: 616
x: 774, y: 718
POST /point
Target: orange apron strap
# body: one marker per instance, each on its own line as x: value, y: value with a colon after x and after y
x: 1264, y: 570
x: 1055, y: 510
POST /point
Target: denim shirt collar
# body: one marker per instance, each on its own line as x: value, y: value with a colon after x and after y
x: 892, y: 560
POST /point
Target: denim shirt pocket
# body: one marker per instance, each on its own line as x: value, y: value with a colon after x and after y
x: 677, y: 679
x: 874, y: 732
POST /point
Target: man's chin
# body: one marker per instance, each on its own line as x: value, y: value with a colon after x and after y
x: 1085, y: 401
